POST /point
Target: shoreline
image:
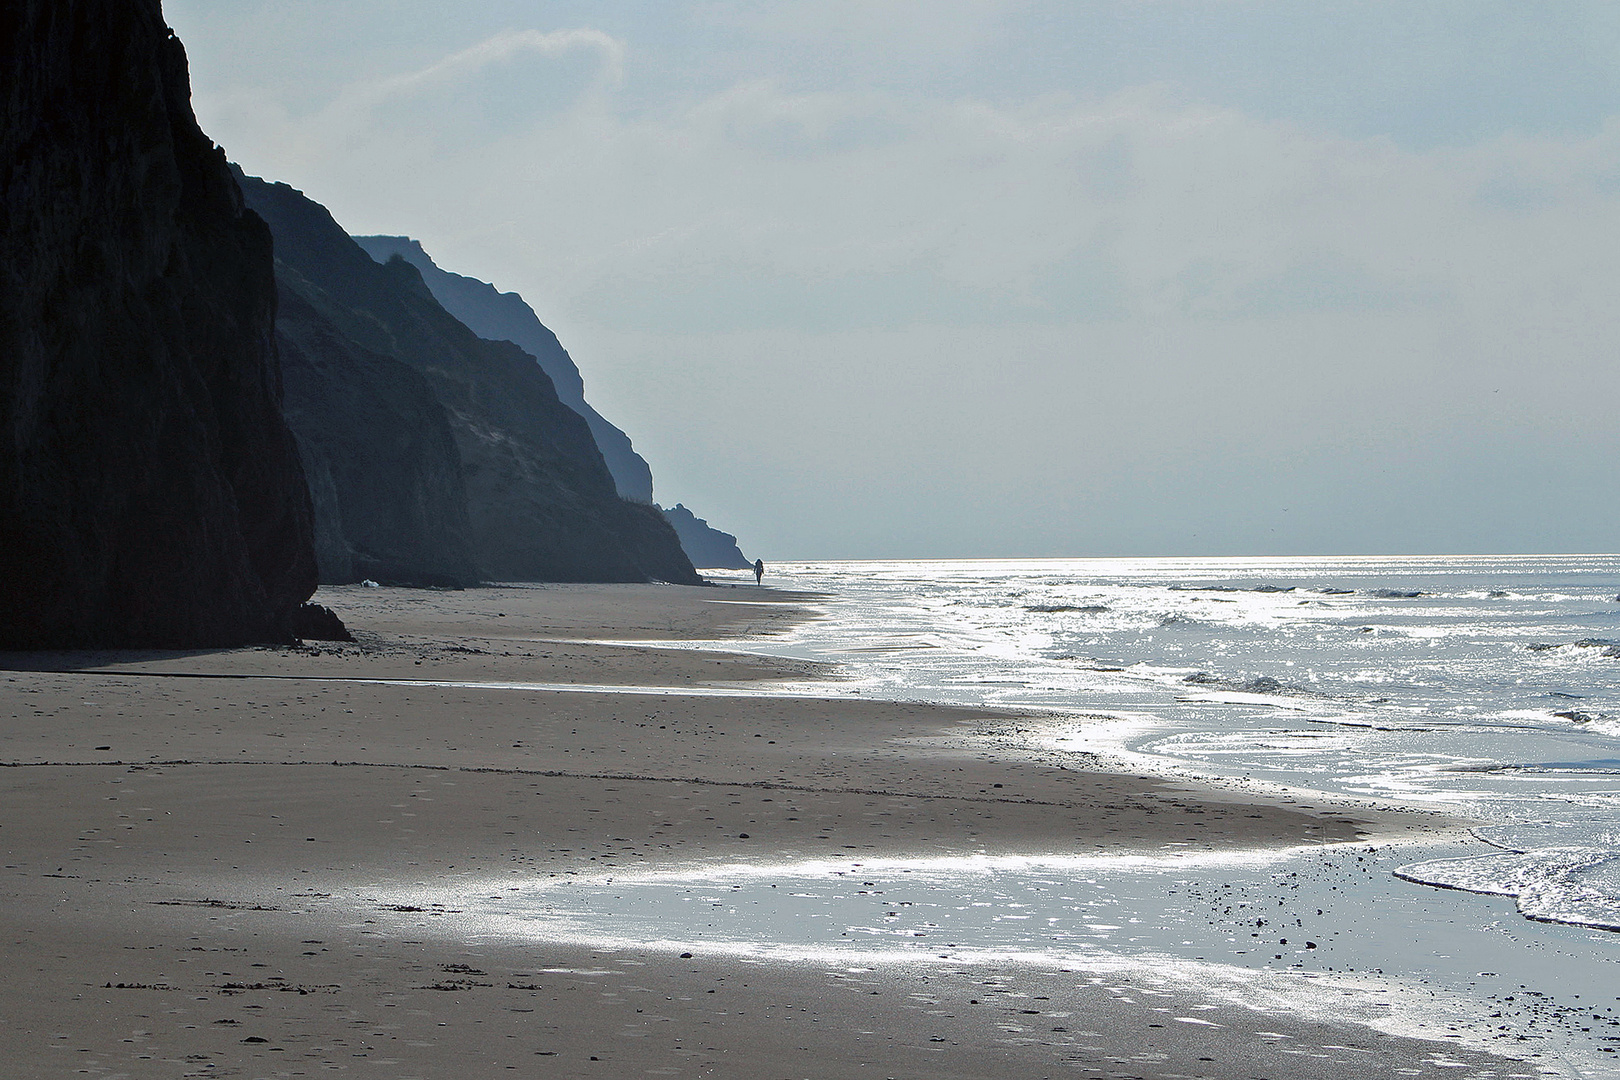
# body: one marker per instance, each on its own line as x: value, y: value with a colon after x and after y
x: 462, y: 783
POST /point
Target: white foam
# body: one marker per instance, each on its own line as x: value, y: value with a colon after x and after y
x: 1556, y: 871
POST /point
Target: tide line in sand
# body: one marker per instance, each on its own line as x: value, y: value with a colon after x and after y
x: 758, y: 690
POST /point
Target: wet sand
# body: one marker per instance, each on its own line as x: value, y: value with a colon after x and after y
x: 214, y: 862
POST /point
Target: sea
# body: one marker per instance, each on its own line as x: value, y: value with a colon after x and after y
x: 1487, y: 688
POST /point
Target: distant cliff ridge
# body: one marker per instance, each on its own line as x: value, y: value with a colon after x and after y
x: 707, y: 546
x: 150, y: 491
x: 504, y: 316
x: 539, y: 502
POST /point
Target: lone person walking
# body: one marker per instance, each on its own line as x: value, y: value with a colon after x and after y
x: 759, y: 571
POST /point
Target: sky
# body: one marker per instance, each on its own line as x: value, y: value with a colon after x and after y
x: 996, y: 278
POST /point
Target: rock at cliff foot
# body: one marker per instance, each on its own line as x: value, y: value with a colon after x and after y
x: 316, y: 622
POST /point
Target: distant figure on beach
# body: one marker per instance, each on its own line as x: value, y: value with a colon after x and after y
x: 759, y: 571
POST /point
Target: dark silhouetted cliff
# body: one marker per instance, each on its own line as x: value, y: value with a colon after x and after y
x: 504, y: 316
x: 150, y: 492
x: 705, y: 545
x: 383, y: 468
x: 540, y: 501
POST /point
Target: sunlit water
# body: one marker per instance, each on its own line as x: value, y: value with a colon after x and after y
x: 1490, y: 685
x: 1486, y: 686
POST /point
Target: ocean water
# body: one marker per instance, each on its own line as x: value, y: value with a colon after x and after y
x: 1488, y: 687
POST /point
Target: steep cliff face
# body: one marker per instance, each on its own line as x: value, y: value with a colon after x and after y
x: 540, y: 501
x: 504, y: 316
x: 705, y: 545
x: 150, y: 492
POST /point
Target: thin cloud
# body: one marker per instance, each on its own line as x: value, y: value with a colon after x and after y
x: 500, y: 48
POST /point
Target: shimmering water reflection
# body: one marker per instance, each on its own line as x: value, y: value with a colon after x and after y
x: 1486, y: 684
x: 1320, y: 910
x: 1308, y: 926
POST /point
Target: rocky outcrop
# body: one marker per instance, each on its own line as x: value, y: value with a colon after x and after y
x: 540, y: 501
x: 705, y: 545
x: 317, y: 623
x: 504, y: 316
x: 150, y: 492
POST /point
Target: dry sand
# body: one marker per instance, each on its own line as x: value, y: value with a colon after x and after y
x: 205, y: 855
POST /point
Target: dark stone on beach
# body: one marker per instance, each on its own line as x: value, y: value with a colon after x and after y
x: 540, y: 501
x: 314, y: 622
x: 1394, y: 594
x: 150, y: 491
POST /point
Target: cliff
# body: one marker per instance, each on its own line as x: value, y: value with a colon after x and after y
x: 540, y: 502
x: 704, y: 544
x: 504, y: 316
x: 150, y: 491
x: 384, y: 472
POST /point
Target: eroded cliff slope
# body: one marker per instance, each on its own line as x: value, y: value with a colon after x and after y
x: 384, y: 472
x: 540, y: 502
x: 505, y: 316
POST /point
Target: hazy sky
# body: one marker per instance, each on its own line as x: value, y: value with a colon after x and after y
x: 957, y: 278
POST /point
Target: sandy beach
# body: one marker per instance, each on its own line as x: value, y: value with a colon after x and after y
x: 210, y: 859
